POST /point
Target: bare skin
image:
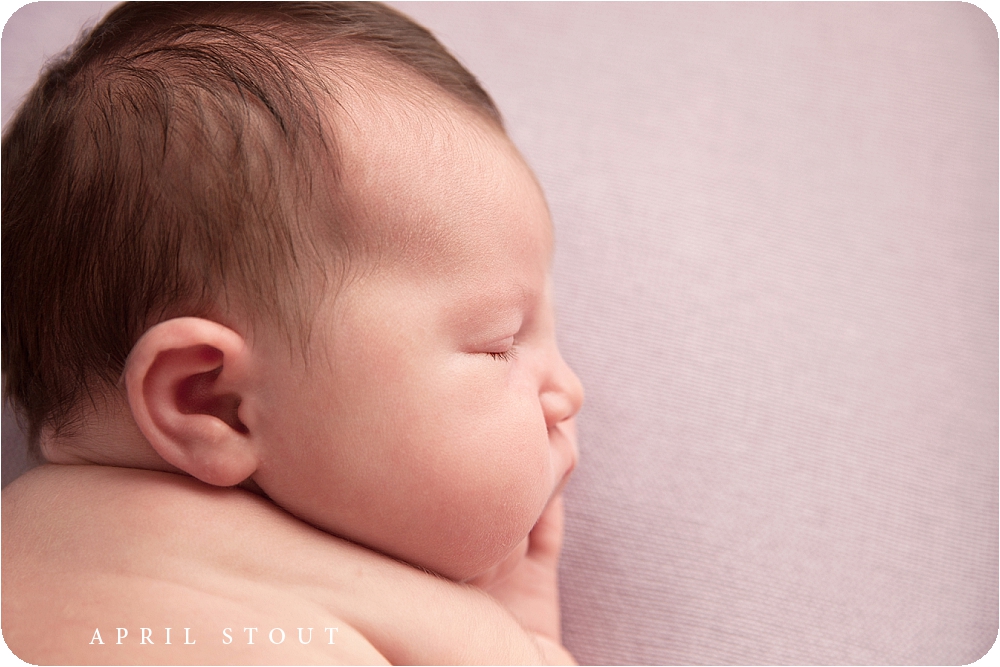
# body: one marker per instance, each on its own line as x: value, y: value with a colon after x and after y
x: 188, y: 555
x: 426, y: 427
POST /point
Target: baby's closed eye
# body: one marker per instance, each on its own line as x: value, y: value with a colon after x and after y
x: 504, y: 349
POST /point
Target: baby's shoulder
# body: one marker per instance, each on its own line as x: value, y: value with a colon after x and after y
x: 116, y: 565
x: 107, y: 494
x: 181, y: 572
x: 134, y: 520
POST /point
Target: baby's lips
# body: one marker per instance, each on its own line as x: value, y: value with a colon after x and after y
x: 562, y: 437
x: 569, y: 430
x: 561, y: 485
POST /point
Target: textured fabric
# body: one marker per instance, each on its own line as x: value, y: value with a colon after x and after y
x: 776, y: 274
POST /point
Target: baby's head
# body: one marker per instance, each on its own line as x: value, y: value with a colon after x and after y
x: 293, y: 245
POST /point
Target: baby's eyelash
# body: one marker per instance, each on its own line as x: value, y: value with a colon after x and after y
x: 504, y: 356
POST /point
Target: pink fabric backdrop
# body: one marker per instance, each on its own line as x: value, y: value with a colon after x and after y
x: 777, y: 275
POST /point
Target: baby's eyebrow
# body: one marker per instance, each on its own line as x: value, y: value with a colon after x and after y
x: 493, y: 302
x: 512, y: 296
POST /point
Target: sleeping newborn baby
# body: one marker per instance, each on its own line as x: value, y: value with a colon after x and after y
x: 277, y: 312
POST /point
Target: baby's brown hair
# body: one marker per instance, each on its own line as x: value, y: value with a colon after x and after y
x: 161, y: 167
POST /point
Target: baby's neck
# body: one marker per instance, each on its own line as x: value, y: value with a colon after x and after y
x: 102, y: 435
x: 110, y: 437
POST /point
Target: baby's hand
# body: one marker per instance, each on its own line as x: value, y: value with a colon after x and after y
x: 529, y: 587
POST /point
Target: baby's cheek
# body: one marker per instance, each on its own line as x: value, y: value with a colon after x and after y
x: 494, y: 515
x: 525, y: 482
x: 503, y: 568
x: 495, y: 545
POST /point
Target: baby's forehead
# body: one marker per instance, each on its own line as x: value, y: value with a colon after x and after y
x: 414, y: 163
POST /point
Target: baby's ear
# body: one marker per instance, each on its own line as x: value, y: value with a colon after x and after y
x: 187, y: 381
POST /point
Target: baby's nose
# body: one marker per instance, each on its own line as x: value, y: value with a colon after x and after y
x: 562, y: 396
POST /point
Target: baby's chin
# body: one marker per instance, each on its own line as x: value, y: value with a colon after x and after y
x: 504, y: 567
